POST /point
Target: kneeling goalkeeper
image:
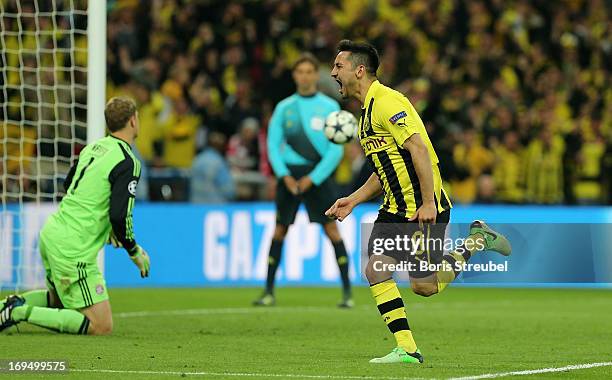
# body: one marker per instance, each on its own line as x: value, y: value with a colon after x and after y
x: 100, y: 193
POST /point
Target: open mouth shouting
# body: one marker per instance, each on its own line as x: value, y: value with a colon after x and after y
x: 341, y: 89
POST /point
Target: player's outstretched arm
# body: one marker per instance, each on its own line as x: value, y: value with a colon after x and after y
x: 344, y: 206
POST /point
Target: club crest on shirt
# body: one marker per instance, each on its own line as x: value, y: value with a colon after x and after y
x: 367, y: 124
x: 317, y: 123
x: 393, y: 119
x: 364, y: 127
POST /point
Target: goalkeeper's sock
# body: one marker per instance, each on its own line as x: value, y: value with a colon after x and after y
x: 36, y: 298
x: 274, y: 257
x: 452, y: 264
x: 391, y: 308
x: 343, y: 266
x: 60, y: 320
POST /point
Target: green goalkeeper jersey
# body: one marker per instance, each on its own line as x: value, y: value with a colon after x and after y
x: 100, y: 194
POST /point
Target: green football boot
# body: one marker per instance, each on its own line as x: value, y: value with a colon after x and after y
x: 493, y: 240
x: 265, y: 300
x: 399, y: 355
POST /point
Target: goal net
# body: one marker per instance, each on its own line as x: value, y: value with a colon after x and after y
x: 43, y: 97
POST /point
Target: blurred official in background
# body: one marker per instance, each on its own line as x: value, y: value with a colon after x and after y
x: 303, y: 160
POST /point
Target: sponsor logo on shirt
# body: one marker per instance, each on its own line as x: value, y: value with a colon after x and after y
x: 98, y: 150
x: 373, y: 144
x: 393, y: 119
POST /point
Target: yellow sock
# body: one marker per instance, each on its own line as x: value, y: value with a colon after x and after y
x: 391, y: 307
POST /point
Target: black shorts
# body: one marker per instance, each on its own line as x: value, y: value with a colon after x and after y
x: 317, y: 199
x: 390, y: 226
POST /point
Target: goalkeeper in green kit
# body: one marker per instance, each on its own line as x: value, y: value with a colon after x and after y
x: 97, y: 208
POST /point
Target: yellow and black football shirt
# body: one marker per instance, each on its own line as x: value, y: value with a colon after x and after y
x: 387, y: 121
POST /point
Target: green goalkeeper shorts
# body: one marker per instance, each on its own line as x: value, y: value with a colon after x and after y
x: 79, y: 284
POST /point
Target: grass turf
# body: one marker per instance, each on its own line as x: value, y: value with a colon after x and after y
x: 461, y: 332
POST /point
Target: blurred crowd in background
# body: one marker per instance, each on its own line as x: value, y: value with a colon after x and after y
x: 515, y: 94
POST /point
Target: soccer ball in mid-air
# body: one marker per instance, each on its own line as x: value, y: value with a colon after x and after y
x: 340, y: 127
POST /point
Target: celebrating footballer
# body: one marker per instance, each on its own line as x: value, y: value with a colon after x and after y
x: 396, y: 144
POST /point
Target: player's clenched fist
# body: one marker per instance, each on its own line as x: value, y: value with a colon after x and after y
x: 140, y: 258
x: 340, y: 209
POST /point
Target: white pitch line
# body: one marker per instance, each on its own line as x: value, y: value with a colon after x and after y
x: 228, y: 310
x: 252, y: 310
x: 305, y: 376
x: 243, y: 374
x: 534, y: 371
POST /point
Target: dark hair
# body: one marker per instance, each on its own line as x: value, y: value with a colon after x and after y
x: 118, y: 111
x: 306, y: 57
x: 362, y: 53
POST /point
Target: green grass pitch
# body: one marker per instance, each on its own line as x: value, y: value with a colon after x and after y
x: 174, y: 333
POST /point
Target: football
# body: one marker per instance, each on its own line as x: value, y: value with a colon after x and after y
x: 340, y: 127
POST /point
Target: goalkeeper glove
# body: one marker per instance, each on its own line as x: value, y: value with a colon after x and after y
x: 112, y: 239
x: 140, y: 258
